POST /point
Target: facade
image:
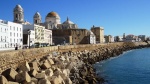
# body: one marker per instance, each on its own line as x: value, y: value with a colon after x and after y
x: 3, y: 34
x: 48, y: 36
x: 131, y: 38
x: 108, y: 38
x: 118, y: 38
x: 92, y: 38
x: 142, y: 37
x: 38, y: 35
x: 15, y: 34
x: 99, y: 33
x: 70, y: 36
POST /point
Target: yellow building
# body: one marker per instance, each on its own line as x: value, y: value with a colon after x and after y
x: 99, y: 33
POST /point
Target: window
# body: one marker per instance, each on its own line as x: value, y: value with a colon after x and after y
x: 20, y: 35
x: 10, y: 40
x: 20, y: 29
x: 17, y: 34
x: 10, y: 34
x: 14, y: 40
x: 5, y: 29
x: 1, y: 29
x: 14, y: 28
x: 5, y: 38
x: 14, y: 34
x: 17, y: 28
x: 10, y: 27
x: 1, y: 38
x: 17, y: 40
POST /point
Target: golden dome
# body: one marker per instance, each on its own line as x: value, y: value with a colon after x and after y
x: 52, y: 14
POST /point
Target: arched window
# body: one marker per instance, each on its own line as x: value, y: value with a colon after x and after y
x: 16, y: 16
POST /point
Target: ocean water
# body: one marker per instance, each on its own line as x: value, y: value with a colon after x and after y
x: 132, y: 67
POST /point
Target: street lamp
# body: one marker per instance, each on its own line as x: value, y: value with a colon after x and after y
x: 29, y: 32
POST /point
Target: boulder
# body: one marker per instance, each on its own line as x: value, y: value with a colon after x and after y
x: 33, y: 73
x: 10, y: 74
x: 34, y: 80
x: 44, y: 81
x: 51, y: 61
x: 49, y: 72
x: 23, y: 76
x: 24, y: 66
x: 34, y: 65
x: 3, y: 80
x: 53, y: 80
x: 45, y: 65
x: 41, y: 75
x: 10, y: 82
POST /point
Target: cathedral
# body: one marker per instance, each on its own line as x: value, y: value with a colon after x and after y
x: 52, y: 20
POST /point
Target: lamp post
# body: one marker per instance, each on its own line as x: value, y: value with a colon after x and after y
x: 50, y: 39
x: 29, y: 32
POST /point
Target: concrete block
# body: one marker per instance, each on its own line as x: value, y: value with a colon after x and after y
x: 51, y: 61
x: 10, y: 74
x: 12, y: 82
x: 34, y: 65
x: 41, y: 75
x: 44, y: 81
x: 24, y: 66
x: 33, y: 73
x: 53, y: 80
x: 68, y: 81
x: 3, y: 80
x: 45, y: 65
x: 23, y: 76
x: 34, y: 80
x: 49, y: 72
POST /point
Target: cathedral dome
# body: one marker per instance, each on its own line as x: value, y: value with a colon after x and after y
x: 18, y: 8
x: 68, y: 21
x: 53, y: 14
x: 37, y: 15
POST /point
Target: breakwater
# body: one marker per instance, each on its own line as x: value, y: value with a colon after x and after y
x: 58, y: 65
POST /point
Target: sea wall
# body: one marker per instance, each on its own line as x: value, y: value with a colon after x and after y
x: 67, y: 64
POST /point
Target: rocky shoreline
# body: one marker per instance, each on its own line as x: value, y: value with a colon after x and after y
x: 70, y: 67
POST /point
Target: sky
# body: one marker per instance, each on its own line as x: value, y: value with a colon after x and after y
x: 115, y: 16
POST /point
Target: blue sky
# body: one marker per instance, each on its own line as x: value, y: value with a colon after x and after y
x: 116, y: 16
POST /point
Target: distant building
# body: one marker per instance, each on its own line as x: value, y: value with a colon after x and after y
x: 142, y: 37
x: 15, y: 34
x: 10, y: 34
x: 131, y: 38
x: 48, y: 37
x: 92, y: 38
x: 108, y: 39
x: 99, y: 33
x: 118, y: 38
x: 4, y: 42
x: 70, y: 36
x: 38, y: 35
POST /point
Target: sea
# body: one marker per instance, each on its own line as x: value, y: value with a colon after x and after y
x: 132, y: 67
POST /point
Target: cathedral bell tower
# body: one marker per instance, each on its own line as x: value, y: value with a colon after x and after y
x: 18, y: 14
x: 37, y: 18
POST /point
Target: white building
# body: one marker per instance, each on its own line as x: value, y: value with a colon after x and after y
x: 48, y: 36
x: 36, y: 35
x: 15, y: 34
x: 92, y: 38
x: 3, y: 34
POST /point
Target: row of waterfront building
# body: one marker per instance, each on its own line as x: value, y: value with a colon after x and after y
x: 21, y: 33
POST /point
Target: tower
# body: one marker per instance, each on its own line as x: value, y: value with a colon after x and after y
x: 18, y: 14
x: 37, y: 18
